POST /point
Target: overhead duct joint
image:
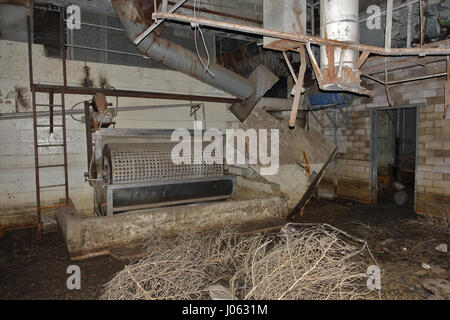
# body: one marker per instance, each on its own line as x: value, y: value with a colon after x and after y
x: 135, y: 16
x: 339, y: 20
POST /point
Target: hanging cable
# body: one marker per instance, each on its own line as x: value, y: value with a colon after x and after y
x: 196, y: 27
x: 73, y: 107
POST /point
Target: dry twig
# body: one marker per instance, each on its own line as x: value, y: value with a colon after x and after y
x: 306, y: 261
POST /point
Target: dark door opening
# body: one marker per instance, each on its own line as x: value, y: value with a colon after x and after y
x: 395, y: 155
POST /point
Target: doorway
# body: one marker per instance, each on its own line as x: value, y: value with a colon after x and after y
x: 393, y: 155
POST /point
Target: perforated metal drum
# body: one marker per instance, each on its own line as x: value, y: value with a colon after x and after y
x: 147, y: 162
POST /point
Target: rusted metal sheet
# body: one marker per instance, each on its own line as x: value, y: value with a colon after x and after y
x: 292, y: 40
x: 298, y: 88
x: 362, y: 59
x: 375, y: 65
x: 136, y: 11
x: 337, y: 75
x: 339, y: 21
x: 348, y: 80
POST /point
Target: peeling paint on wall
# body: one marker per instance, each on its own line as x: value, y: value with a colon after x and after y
x: 23, y: 99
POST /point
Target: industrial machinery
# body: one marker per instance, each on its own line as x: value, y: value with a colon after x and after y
x: 132, y: 169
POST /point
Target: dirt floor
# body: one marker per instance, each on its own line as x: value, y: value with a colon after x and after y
x: 32, y: 268
x: 398, y: 239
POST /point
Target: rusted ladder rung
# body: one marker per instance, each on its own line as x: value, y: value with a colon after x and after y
x: 52, y: 166
x: 55, y: 206
x: 50, y: 145
x: 50, y: 105
x: 52, y: 186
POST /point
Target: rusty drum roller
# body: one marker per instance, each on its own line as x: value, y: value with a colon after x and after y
x: 141, y: 175
x: 145, y: 162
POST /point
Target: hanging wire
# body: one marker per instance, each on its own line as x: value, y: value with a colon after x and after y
x: 73, y: 107
x: 196, y: 27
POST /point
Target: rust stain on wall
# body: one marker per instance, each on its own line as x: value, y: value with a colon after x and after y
x: 87, y: 82
x: 22, y: 101
x: 433, y: 204
x: 306, y: 166
x: 354, y: 189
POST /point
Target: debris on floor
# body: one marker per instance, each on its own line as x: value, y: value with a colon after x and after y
x: 386, y: 245
x: 421, y: 273
x: 438, y: 271
x: 442, y: 247
x: 420, y: 290
x: 36, y: 268
x: 303, y: 261
x: 49, y: 225
x: 426, y: 266
x: 401, y: 198
x: 219, y: 292
x: 439, y: 287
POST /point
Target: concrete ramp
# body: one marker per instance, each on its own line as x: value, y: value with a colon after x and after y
x: 304, y: 158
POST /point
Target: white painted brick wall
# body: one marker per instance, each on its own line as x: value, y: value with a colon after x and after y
x: 17, y: 177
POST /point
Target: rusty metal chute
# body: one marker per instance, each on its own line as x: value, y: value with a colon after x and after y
x: 136, y: 17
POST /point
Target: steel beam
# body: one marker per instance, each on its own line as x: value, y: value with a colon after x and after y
x: 132, y: 94
x: 295, y: 40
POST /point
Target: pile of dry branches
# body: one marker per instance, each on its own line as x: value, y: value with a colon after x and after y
x: 301, y: 262
x: 308, y: 262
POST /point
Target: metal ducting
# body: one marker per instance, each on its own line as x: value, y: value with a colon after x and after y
x: 341, y: 22
x: 136, y: 16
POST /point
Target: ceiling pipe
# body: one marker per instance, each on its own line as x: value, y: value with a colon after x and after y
x: 340, y: 68
x: 136, y: 17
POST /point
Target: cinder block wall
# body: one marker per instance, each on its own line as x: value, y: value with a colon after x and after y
x: 17, y: 174
x: 433, y: 167
x: 353, y: 156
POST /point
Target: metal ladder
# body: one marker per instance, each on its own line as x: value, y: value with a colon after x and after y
x: 51, y: 126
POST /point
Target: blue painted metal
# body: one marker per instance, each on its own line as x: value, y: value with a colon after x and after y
x: 330, y: 99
